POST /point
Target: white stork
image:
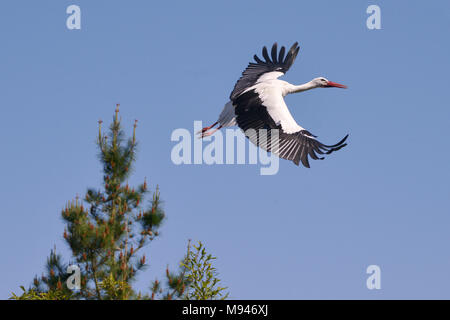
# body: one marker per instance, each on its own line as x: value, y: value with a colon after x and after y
x: 257, y: 102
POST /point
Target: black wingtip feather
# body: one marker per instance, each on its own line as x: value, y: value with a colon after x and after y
x: 281, y: 54
x: 339, y: 143
x: 280, y: 61
x: 257, y: 59
x: 266, y: 54
x: 294, y: 46
x: 311, y: 146
x: 274, y: 53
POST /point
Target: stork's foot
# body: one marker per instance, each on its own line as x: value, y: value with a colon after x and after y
x: 205, y: 133
x: 207, y: 128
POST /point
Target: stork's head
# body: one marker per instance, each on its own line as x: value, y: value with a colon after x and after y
x: 322, y: 82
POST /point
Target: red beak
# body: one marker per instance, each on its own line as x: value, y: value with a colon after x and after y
x: 337, y: 85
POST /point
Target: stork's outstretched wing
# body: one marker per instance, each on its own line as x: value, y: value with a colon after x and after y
x: 294, y: 143
x: 276, y: 66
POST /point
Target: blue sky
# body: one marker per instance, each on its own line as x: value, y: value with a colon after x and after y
x: 302, y: 233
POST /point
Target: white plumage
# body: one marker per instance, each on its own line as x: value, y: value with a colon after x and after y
x: 257, y: 102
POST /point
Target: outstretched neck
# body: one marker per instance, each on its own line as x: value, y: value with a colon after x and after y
x: 300, y: 88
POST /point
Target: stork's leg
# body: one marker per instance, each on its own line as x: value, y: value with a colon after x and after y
x: 207, y: 128
x: 210, y: 133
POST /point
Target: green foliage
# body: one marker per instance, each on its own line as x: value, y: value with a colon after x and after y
x: 115, y: 289
x: 176, y: 284
x: 32, y: 294
x: 202, y: 276
x: 106, y: 231
x: 55, y: 277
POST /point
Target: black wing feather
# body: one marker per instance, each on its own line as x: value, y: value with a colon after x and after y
x: 274, y: 53
x: 255, y: 70
x: 265, y: 54
x: 281, y: 54
x: 252, y: 114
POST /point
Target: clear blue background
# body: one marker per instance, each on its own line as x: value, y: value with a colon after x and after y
x: 303, y: 233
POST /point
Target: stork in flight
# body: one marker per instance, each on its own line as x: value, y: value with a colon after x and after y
x: 257, y: 102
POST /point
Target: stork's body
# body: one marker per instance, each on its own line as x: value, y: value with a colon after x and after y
x: 257, y: 102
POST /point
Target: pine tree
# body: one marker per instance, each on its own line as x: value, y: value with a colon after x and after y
x: 106, y: 231
x: 201, y: 275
